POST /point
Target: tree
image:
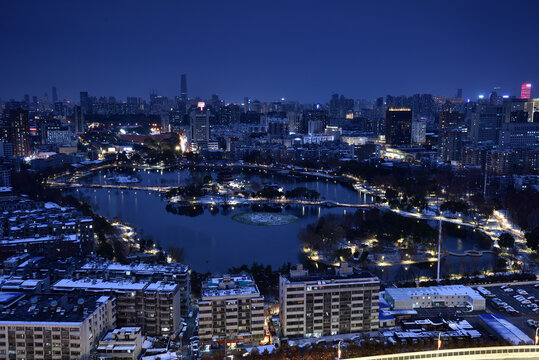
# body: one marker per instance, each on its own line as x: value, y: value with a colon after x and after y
x: 391, y: 194
x: 177, y: 253
x: 207, y: 179
x: 532, y: 239
x: 506, y: 240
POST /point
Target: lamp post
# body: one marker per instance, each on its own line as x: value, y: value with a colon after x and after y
x: 536, y: 336
x: 339, y: 350
x: 439, y: 341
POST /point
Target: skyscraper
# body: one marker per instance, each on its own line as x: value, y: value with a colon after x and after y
x: 183, y: 89
x: 450, y: 145
x: 200, y: 127
x: 84, y: 101
x: 19, y: 132
x: 54, y: 95
x: 419, y: 131
x: 399, y: 126
x: 449, y: 119
x: 485, y: 124
x: 79, y: 120
x: 525, y: 91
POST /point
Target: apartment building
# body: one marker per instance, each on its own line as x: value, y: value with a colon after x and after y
x: 49, y: 219
x: 138, y: 271
x: 53, y: 326
x: 315, y: 305
x: 124, y: 343
x: 231, y: 310
x: 44, y: 229
x: 154, y: 306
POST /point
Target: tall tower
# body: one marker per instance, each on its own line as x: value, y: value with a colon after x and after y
x: 84, y: 101
x: 79, y: 120
x: 19, y: 132
x: 200, y: 127
x: 399, y: 126
x: 183, y: 89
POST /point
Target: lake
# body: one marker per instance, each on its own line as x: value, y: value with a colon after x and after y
x: 214, y: 242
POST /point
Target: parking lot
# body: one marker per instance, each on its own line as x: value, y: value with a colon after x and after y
x: 525, y: 312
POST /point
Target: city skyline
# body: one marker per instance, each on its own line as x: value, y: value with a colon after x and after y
x: 269, y: 180
x: 266, y: 52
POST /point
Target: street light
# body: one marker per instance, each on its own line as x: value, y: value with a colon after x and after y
x: 339, y: 350
x: 440, y: 341
x: 536, y: 336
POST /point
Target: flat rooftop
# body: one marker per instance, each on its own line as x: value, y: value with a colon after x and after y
x: 406, y: 294
x: 230, y: 286
x: 136, y: 268
x: 120, y: 285
x: 99, y: 284
x: 51, y: 308
x: 505, y: 329
x: 332, y: 277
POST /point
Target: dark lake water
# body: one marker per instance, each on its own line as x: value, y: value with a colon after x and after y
x: 216, y: 242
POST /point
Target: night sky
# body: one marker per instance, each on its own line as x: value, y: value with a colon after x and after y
x: 300, y: 50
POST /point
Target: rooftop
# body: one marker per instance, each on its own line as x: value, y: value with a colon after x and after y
x: 51, y: 308
x: 299, y: 275
x: 505, y: 329
x: 99, y: 284
x: 229, y: 285
x: 120, y: 285
x: 138, y: 268
x: 405, y: 294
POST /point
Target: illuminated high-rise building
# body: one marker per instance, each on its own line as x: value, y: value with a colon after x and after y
x: 200, y: 126
x: 449, y: 119
x: 525, y: 90
x: 399, y: 126
x: 19, y: 132
x: 419, y: 131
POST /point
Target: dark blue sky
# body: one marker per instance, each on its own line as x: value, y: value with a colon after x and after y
x: 302, y: 50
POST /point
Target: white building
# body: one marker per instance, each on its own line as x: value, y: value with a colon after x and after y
x: 434, y: 296
x: 123, y: 343
x: 231, y: 310
x: 321, y: 305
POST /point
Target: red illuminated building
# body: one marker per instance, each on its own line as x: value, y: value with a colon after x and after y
x: 525, y: 91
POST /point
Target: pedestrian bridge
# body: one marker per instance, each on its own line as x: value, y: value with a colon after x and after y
x: 522, y: 352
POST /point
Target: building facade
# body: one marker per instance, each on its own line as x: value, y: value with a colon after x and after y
x: 136, y: 271
x: 434, y: 296
x: 320, y: 304
x: 399, y: 126
x: 231, y: 309
x: 154, y: 306
x: 53, y: 326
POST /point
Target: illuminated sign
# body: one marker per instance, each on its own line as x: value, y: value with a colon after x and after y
x: 525, y: 91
